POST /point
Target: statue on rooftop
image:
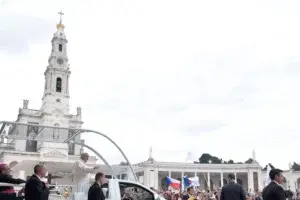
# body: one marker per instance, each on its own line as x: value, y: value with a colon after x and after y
x: 25, y: 103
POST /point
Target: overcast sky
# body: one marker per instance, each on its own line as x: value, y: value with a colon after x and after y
x: 219, y: 77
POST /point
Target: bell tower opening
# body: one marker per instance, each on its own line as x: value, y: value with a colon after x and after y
x: 58, y: 84
x: 60, y: 47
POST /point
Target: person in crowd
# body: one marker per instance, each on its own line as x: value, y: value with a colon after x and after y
x: 8, y: 192
x: 35, y: 188
x: 95, y: 192
x: 274, y: 191
x: 232, y: 191
x: 289, y: 194
x: 258, y: 196
x: 80, y: 174
x: 297, y: 196
x: 124, y: 195
x: 190, y: 194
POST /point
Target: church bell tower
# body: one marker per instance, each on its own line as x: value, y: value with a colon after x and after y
x: 56, y: 91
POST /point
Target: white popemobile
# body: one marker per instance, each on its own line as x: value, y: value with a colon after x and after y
x: 113, y: 189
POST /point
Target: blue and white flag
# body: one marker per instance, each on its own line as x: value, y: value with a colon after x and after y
x: 191, y: 181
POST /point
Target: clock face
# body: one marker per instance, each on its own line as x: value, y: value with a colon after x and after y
x: 60, y: 61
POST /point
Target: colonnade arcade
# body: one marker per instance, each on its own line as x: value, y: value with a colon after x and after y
x: 212, y: 180
x: 153, y: 174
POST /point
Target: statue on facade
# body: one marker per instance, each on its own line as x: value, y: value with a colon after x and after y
x: 78, y: 111
x: 32, y: 133
x: 25, y: 103
x: 56, y: 132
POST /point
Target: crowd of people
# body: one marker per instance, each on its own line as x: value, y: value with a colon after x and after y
x: 201, y: 194
x: 234, y: 191
x: 37, y: 189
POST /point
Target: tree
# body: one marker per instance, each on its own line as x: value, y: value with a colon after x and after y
x: 230, y: 161
x: 207, y: 158
x: 249, y: 161
x: 123, y: 163
x: 296, y: 167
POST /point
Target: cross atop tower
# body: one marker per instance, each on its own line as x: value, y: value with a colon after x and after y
x: 60, y: 17
x: 60, y: 25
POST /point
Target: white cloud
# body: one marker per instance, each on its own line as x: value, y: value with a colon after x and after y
x: 200, y: 76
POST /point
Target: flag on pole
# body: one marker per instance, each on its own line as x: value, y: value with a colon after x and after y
x: 267, y: 177
x: 173, y: 183
x: 191, y: 181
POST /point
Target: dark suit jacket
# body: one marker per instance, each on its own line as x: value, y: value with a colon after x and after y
x: 35, y: 189
x: 186, y: 197
x: 95, y: 192
x: 232, y: 191
x: 273, y: 192
x: 7, y: 192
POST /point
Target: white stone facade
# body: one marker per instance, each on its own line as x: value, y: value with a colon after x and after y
x: 55, y: 111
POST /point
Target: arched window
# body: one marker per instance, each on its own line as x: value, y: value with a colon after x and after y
x: 58, y: 85
x: 60, y: 47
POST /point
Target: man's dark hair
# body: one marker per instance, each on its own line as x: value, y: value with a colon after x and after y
x: 189, y: 188
x: 231, y: 176
x: 37, y: 168
x: 274, y: 172
x: 98, y: 176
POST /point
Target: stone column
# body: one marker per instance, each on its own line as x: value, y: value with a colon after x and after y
x: 156, y: 177
x: 250, y: 180
x: 222, y: 182
x: 67, y: 85
x: 195, y: 174
x: 170, y: 174
x: 235, y: 176
x: 259, y: 179
x: 181, y: 178
x: 208, y: 180
x: 146, y: 177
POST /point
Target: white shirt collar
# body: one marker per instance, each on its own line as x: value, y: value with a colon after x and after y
x: 38, y: 177
x: 276, y: 182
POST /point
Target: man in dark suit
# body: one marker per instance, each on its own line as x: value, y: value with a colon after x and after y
x: 274, y: 191
x: 95, y: 191
x: 35, y: 188
x: 232, y: 191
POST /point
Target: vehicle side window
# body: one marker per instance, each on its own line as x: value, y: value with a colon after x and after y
x: 131, y: 191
